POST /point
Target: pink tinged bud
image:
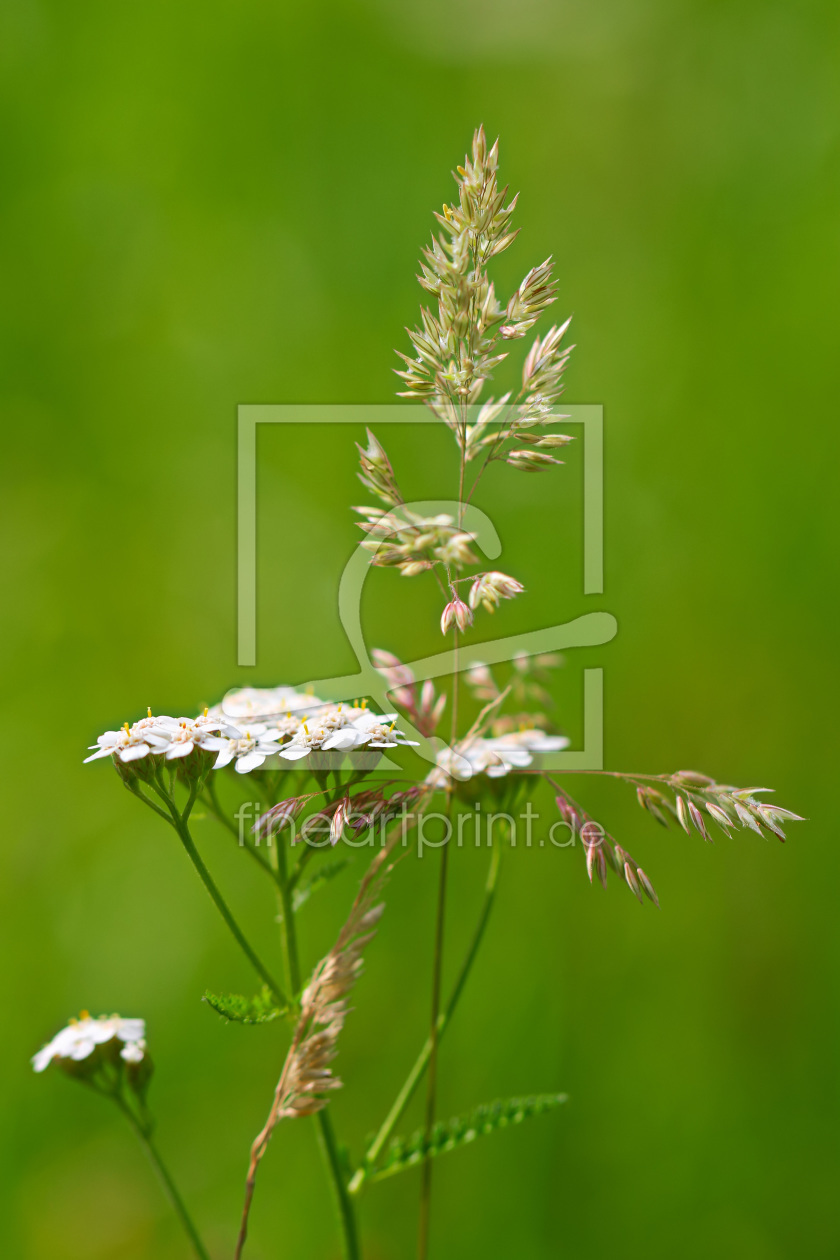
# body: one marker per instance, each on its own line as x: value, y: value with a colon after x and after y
x: 720, y: 816
x: 385, y: 660
x: 632, y: 882
x: 592, y: 834
x: 463, y: 615
x: 777, y: 812
x: 456, y: 610
x: 338, y: 820
x: 427, y: 696
x: 553, y: 440
x: 682, y: 814
x: 567, y: 812
x: 281, y: 814
x: 697, y: 819
x: 746, y: 817
x: 769, y: 821
x: 648, y: 887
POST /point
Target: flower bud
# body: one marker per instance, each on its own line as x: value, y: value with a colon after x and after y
x: 456, y: 610
x: 489, y: 588
x: 530, y: 461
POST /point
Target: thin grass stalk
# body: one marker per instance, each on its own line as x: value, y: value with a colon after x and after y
x: 434, y: 1035
x: 421, y: 1063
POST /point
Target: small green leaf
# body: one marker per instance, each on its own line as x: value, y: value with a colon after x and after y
x: 260, y: 1009
x: 407, y: 1152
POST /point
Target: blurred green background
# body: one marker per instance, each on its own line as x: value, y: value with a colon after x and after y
x: 209, y: 204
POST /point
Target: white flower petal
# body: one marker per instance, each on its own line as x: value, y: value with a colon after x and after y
x: 81, y: 1049
x: 133, y: 752
x: 43, y: 1058
x: 131, y: 1029
x: 179, y: 750
x: 103, y: 752
x: 249, y: 762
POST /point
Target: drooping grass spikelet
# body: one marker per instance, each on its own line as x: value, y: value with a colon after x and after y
x: 307, y: 1079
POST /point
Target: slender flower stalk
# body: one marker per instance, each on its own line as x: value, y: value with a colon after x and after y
x: 418, y: 1070
x: 434, y: 1035
x: 145, y: 1139
x: 179, y: 822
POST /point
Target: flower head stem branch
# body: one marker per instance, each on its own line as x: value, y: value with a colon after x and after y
x: 212, y: 802
x: 144, y: 1135
x: 422, y: 1061
x: 180, y: 825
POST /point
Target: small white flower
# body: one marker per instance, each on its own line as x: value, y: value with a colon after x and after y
x: 333, y: 732
x: 184, y: 734
x: 340, y: 728
x: 248, y: 750
x: 132, y: 1051
x: 380, y: 731
x: 451, y: 764
x: 494, y: 756
x: 130, y: 743
x: 283, y: 728
x: 81, y: 1037
x: 537, y: 740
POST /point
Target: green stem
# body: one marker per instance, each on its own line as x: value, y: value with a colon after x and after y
x: 285, y: 902
x: 180, y: 825
x: 165, y: 1176
x: 343, y: 1203
x: 431, y: 1082
x: 416, y: 1074
x: 212, y: 802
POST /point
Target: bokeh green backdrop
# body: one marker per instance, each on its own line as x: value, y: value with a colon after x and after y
x: 206, y: 204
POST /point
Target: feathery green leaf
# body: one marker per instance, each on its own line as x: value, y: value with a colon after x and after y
x: 260, y: 1009
x: 407, y: 1152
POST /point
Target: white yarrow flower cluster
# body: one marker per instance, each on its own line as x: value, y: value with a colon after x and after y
x: 81, y: 1037
x: 249, y: 726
